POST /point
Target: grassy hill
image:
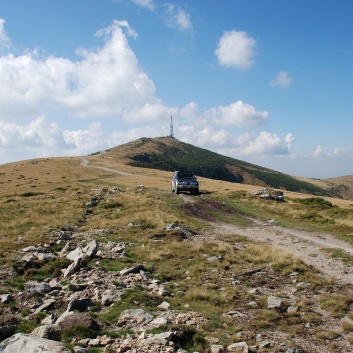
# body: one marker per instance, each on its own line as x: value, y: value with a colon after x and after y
x: 169, y: 154
x: 223, y: 283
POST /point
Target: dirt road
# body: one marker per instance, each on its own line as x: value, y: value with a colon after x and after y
x: 308, y: 246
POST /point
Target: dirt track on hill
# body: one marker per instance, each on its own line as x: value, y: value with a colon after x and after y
x: 308, y: 246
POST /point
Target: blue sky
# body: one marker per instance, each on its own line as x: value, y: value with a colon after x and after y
x: 268, y: 82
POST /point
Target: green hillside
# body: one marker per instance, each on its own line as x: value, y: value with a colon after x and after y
x: 165, y: 153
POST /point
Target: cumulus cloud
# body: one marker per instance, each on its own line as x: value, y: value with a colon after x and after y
x: 148, y: 4
x: 318, y: 152
x: 4, y: 39
x: 207, y: 137
x: 266, y: 143
x: 236, y: 49
x: 190, y: 110
x: 176, y: 17
x: 107, y: 81
x: 282, y: 80
x: 238, y: 114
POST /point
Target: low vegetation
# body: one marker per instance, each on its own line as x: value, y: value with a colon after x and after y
x: 227, y: 281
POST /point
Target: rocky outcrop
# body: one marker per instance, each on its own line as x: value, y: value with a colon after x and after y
x: 22, y: 343
x: 269, y: 194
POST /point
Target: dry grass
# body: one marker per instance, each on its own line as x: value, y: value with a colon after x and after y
x: 52, y: 193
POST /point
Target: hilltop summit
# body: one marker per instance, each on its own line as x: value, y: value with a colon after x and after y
x: 169, y: 154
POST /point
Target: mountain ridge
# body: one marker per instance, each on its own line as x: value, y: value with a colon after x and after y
x: 169, y: 154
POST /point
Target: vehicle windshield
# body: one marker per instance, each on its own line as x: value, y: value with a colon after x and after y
x: 186, y: 175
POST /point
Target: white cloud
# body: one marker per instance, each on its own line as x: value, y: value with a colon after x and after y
x: 190, y: 110
x: 148, y: 4
x: 267, y: 143
x: 238, y: 114
x: 264, y: 144
x: 148, y: 112
x: 4, y: 39
x: 176, y: 17
x: 318, y: 152
x: 36, y: 139
x: 107, y: 81
x: 338, y: 151
x: 206, y: 137
x: 236, y: 49
x: 282, y: 80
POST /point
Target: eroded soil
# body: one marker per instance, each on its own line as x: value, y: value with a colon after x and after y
x: 308, y: 246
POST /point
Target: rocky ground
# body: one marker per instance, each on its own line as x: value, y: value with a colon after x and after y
x: 81, y: 289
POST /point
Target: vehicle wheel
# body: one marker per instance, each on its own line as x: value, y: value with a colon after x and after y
x: 196, y: 191
x: 177, y: 191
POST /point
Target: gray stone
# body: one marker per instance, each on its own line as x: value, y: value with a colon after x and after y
x: 164, y: 306
x: 6, y: 298
x: 79, y: 304
x: 274, y: 302
x: 75, y: 266
x: 52, y: 332
x: 37, y: 287
x: 20, y: 343
x: 135, y: 269
x: 75, y: 254
x: 49, y: 320
x: 46, y: 305
x: 239, y: 347
x: 135, y: 317
x: 7, y: 331
x: 91, y: 249
x: 158, y: 321
x: 217, y: 348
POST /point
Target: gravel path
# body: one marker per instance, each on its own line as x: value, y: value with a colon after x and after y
x: 306, y: 245
x: 309, y: 246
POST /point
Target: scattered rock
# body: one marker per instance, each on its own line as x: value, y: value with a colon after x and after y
x: 21, y: 342
x: 37, y: 287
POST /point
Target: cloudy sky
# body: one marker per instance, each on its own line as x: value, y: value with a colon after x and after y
x: 268, y: 82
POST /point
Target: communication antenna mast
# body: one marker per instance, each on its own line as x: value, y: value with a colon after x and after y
x: 171, y: 126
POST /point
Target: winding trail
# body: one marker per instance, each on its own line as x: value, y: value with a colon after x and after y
x: 84, y: 163
x: 309, y: 246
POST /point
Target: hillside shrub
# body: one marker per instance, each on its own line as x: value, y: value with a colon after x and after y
x: 316, y: 202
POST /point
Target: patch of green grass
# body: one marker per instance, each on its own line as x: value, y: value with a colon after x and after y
x: 112, y: 264
x: 340, y: 254
x: 15, y: 282
x: 316, y: 202
x: 49, y: 270
x: 347, y: 327
x: 111, y: 205
x: 336, y: 304
x: 132, y: 298
x: 316, y: 218
x: 26, y: 326
x: 31, y: 193
x: 77, y: 333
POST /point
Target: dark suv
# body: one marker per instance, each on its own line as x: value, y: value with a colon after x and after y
x: 184, y: 181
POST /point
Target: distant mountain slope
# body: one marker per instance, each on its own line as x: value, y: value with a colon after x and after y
x: 169, y: 154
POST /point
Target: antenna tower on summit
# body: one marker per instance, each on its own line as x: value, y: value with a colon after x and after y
x: 171, y: 126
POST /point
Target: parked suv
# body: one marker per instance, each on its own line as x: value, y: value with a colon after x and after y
x: 184, y: 181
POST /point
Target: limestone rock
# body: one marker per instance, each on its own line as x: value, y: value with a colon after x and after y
x: 37, y: 287
x: 274, y: 302
x: 20, y: 343
x: 52, y: 332
x: 239, y: 347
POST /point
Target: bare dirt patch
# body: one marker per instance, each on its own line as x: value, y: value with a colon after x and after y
x: 308, y: 246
